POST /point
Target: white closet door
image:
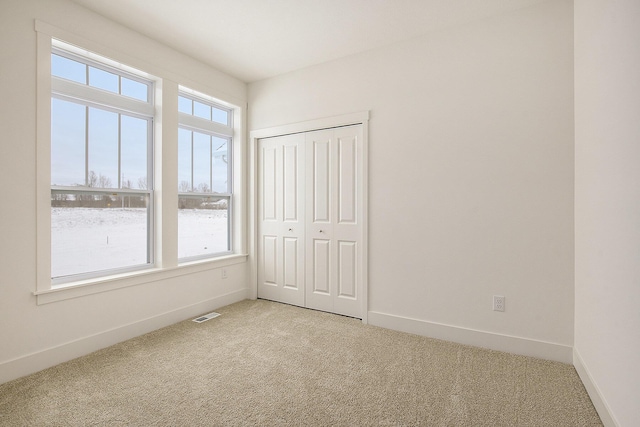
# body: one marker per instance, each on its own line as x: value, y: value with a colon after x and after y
x: 334, y: 220
x: 281, y: 219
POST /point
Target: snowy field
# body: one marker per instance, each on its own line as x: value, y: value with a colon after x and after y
x: 93, y: 239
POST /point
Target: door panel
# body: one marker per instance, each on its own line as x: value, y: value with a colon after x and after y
x: 347, y: 269
x: 348, y: 227
x: 321, y: 173
x: 291, y: 267
x: 320, y: 281
x: 281, y: 230
x: 290, y: 182
x: 321, y: 267
x: 269, y: 200
x: 269, y: 254
x: 347, y: 174
x: 333, y: 227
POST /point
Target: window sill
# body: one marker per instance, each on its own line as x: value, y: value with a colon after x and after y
x: 119, y: 281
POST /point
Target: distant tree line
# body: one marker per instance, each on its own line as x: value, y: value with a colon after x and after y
x: 102, y: 200
x: 198, y: 202
x: 98, y: 201
x: 132, y: 201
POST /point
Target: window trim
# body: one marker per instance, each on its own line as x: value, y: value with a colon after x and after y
x: 167, y: 81
x: 134, y: 278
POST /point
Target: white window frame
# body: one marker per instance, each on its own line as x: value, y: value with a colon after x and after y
x: 91, y: 97
x: 165, y: 130
x: 194, y: 123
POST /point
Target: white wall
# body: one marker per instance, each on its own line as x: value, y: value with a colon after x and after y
x: 471, y: 178
x: 607, y: 203
x: 471, y: 174
x: 31, y: 336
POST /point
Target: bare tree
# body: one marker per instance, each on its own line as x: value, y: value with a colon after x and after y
x: 98, y: 181
x: 184, y: 187
x: 92, y: 179
x: 203, y: 187
x: 104, y: 181
x: 142, y: 183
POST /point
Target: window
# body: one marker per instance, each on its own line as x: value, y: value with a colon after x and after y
x: 106, y: 195
x: 204, y: 177
x: 101, y: 168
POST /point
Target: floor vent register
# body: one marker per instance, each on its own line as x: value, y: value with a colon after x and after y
x: 206, y: 317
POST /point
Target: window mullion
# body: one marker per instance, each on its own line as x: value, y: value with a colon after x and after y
x: 191, y: 186
x: 151, y: 184
x: 204, y: 125
x: 210, y: 163
x: 119, y: 151
x: 86, y: 145
x: 230, y: 165
x: 151, y: 202
x: 68, y: 88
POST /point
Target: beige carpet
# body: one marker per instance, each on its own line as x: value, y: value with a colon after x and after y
x: 266, y: 364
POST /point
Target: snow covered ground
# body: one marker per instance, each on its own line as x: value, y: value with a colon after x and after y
x: 93, y: 239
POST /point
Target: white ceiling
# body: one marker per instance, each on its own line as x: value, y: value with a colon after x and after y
x: 257, y: 39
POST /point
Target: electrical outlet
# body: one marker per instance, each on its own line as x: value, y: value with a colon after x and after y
x: 224, y: 273
x: 498, y: 303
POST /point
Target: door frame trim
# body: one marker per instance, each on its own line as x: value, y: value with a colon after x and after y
x: 358, y: 118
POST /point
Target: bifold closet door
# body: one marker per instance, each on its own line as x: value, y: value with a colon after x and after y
x: 334, y: 220
x: 310, y: 219
x: 281, y: 230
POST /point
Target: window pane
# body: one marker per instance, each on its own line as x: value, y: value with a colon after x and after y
x: 220, y: 116
x: 184, y: 160
x: 103, y: 149
x: 220, y: 162
x: 185, y: 105
x: 103, y: 80
x: 202, y: 226
x: 201, y: 162
x: 201, y: 110
x: 133, y: 140
x: 203, y: 167
x: 95, y: 232
x: 67, y: 143
x: 134, y: 89
x: 68, y: 69
x: 99, y: 230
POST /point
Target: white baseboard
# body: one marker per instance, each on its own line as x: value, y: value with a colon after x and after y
x: 43, y: 359
x: 493, y: 341
x: 597, y: 399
